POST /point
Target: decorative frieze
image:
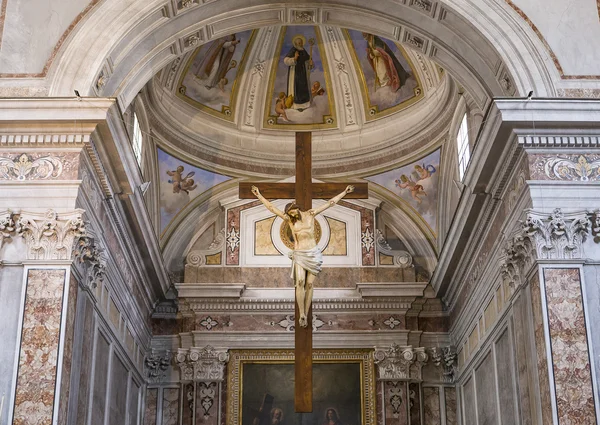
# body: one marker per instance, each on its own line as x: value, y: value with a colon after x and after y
x: 50, y: 236
x: 24, y: 166
x: 157, y: 365
x: 395, y: 363
x: 565, y: 167
x: 202, y: 364
x: 446, y: 359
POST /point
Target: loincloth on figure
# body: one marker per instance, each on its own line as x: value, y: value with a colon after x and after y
x: 309, y: 259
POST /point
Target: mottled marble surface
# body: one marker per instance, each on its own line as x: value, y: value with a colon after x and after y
x: 469, y: 413
x: 522, y: 335
x: 506, y: 379
x: 134, y: 395
x: 86, y: 361
x: 151, y: 406
x: 570, y: 356
x: 415, y: 401
x: 431, y: 406
x: 170, y: 406
x: 540, y: 349
x: 187, y: 413
x: 207, y: 403
x: 450, y: 401
x: 486, y: 392
x: 100, y: 380
x: 40, y: 337
x: 118, y: 391
x: 395, y: 400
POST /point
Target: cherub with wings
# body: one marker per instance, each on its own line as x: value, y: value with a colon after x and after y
x: 180, y: 183
x: 416, y: 190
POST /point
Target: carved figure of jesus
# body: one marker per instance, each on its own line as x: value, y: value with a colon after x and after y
x: 306, y: 256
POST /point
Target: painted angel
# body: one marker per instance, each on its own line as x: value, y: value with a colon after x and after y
x: 180, y: 183
x: 416, y: 190
x: 423, y: 172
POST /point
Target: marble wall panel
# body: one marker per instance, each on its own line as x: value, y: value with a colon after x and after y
x: 592, y: 293
x: 67, y: 361
x: 85, y: 367
x: 395, y: 398
x: 133, y: 409
x: 540, y: 349
x: 431, y: 406
x: 450, y: 401
x: 506, y: 379
x: 415, y: 401
x: 170, y: 406
x: 380, y: 402
x: 40, y: 338
x: 187, y: 414
x: 151, y: 406
x: 469, y: 403
x: 117, y: 405
x: 207, y: 403
x: 11, y: 305
x: 485, y: 382
x: 100, y: 380
x: 570, y: 355
x: 522, y: 332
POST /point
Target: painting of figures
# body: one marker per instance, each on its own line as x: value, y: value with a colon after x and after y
x: 299, y: 89
x: 417, y: 183
x: 210, y: 75
x: 388, y: 77
x: 180, y: 183
x: 268, y: 395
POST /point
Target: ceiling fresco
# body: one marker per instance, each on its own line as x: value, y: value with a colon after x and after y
x: 299, y: 90
x: 300, y: 79
x: 417, y: 184
x: 209, y: 81
x: 180, y: 183
x: 388, y: 80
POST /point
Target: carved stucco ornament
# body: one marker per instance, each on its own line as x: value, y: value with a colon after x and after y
x: 91, y: 256
x: 50, y: 236
x: 25, y: 167
x: 197, y: 258
x: 7, y: 226
x: 202, y: 364
x: 445, y: 358
x: 157, y: 364
x: 401, y: 258
x: 395, y: 363
x: 569, y: 168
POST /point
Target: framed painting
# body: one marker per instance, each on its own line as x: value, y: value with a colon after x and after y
x: 261, y: 388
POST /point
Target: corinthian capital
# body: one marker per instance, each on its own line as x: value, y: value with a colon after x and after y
x: 50, y: 236
x: 395, y: 363
x: 202, y: 364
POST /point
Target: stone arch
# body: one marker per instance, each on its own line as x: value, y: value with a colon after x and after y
x: 120, y: 46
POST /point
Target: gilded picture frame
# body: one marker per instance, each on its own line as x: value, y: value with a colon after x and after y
x: 342, y: 379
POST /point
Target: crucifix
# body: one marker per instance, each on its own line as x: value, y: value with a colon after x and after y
x: 297, y: 214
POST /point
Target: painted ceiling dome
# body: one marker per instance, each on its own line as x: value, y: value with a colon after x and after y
x: 244, y: 95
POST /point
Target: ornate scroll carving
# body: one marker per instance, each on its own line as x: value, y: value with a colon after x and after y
x: 395, y: 363
x: 7, y: 226
x: 157, y: 365
x: 91, y: 256
x: 202, y: 364
x: 197, y: 258
x: 571, y: 167
x: 445, y: 358
x: 25, y: 167
x: 50, y: 236
x: 402, y: 259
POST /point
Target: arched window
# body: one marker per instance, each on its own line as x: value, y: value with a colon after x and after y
x: 137, y: 139
x: 464, y: 153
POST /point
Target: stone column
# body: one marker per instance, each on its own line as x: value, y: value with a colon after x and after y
x: 548, y: 253
x: 41, y: 143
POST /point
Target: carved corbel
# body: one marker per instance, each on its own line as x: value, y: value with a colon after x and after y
x: 91, y: 256
x: 7, y: 226
x: 401, y: 258
x: 445, y: 358
x: 50, y: 236
x: 394, y: 363
x: 202, y: 364
x: 157, y: 365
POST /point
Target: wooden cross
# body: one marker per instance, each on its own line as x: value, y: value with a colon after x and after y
x: 303, y: 190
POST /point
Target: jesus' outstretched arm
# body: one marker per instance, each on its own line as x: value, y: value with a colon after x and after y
x: 268, y: 204
x: 332, y: 201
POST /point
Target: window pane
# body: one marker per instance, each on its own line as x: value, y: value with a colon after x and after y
x: 137, y: 139
x: 462, y: 142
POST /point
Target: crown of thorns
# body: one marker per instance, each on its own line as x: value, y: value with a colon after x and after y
x: 291, y: 206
